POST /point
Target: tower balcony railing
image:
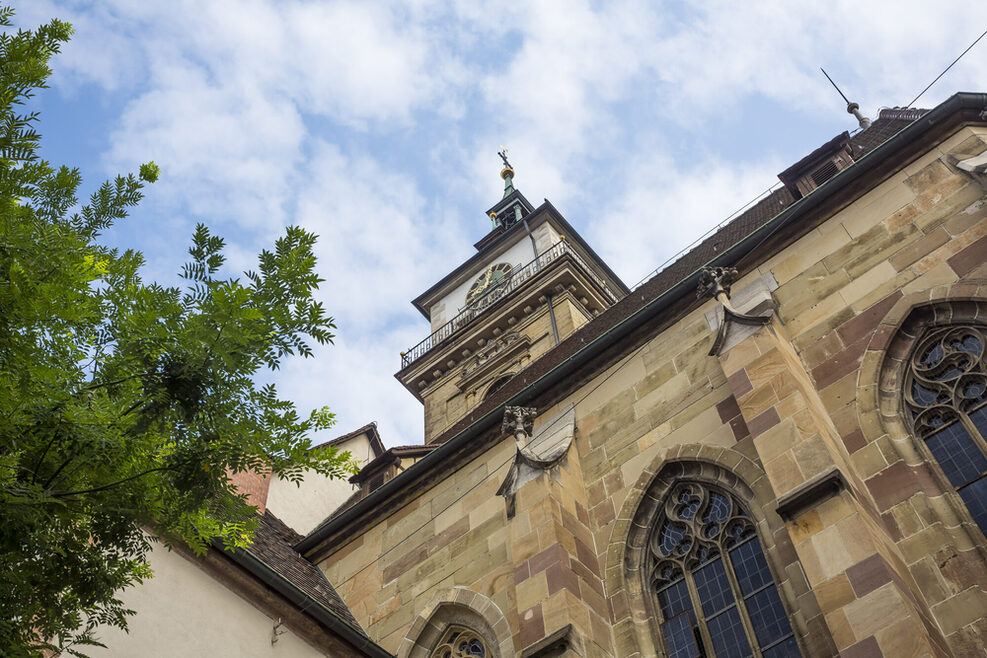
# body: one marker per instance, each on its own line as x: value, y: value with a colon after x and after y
x: 511, y: 282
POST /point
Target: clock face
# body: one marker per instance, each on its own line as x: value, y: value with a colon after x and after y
x: 493, y: 277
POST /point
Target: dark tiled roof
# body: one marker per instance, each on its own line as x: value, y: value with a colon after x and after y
x: 886, y: 126
x: 272, y: 545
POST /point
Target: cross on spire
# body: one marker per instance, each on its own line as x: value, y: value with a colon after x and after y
x: 507, y: 173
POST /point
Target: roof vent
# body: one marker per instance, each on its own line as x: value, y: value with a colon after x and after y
x: 818, y: 167
x: 902, y: 113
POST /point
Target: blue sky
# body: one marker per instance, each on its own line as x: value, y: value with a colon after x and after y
x: 376, y: 125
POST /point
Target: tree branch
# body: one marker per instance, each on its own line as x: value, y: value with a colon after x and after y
x: 93, y: 387
x: 65, y: 463
x: 67, y: 494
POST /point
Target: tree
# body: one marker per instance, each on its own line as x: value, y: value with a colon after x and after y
x: 124, y: 405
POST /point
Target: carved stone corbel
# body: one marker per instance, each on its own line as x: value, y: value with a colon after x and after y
x: 734, y: 325
x: 536, y: 451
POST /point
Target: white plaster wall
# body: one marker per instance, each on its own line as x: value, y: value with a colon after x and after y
x: 519, y: 253
x: 303, y: 506
x: 183, y: 611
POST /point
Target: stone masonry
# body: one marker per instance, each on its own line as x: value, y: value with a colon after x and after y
x: 871, y: 549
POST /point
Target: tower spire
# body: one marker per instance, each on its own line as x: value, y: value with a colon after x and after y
x: 512, y: 207
x: 507, y: 173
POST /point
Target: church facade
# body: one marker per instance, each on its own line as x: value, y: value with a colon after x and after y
x: 773, y: 447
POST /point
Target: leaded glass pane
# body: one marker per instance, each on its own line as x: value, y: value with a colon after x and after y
x: 713, y: 587
x: 674, y: 600
x: 975, y: 497
x: 680, y: 642
x: 767, y: 616
x: 957, y: 454
x: 749, y: 567
x: 727, y: 633
x: 674, y: 539
x: 718, y: 510
x: 979, y: 418
x: 786, y: 649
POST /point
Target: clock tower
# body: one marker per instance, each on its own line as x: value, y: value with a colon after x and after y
x: 532, y: 283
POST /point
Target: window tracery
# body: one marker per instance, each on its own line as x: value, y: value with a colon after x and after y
x: 710, y: 582
x: 460, y: 642
x: 945, y: 399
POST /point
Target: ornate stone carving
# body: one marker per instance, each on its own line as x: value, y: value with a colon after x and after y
x: 538, y: 451
x: 518, y: 422
x: 947, y: 378
x: 493, y: 357
x: 460, y: 642
x: 489, y: 350
x: 716, y: 281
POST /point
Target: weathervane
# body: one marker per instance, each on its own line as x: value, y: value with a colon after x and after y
x: 503, y: 156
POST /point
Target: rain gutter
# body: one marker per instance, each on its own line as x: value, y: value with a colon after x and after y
x: 306, y: 604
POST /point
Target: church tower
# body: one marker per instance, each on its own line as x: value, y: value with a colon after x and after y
x: 532, y: 283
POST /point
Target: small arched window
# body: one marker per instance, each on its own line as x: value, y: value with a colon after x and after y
x: 497, y: 385
x: 945, y: 399
x: 710, y: 583
x: 460, y: 642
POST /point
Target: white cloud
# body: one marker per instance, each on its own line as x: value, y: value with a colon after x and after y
x: 375, y: 125
x: 881, y: 53
x: 666, y: 207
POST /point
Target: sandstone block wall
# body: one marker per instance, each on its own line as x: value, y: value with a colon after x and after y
x: 889, y: 565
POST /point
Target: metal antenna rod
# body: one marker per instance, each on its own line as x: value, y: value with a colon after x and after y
x: 834, y: 85
x: 851, y: 108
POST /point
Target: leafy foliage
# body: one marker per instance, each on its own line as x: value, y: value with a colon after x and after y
x: 125, y: 405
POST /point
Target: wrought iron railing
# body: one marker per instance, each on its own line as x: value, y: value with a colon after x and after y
x: 510, y: 283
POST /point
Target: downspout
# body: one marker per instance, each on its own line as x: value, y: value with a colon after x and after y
x: 551, y: 316
x: 534, y: 247
x: 551, y: 307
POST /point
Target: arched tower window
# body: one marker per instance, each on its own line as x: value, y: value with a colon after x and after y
x: 460, y: 642
x: 710, y: 583
x: 945, y: 400
x: 497, y: 385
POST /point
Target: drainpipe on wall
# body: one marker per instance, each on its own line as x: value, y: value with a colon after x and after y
x: 534, y: 247
x: 551, y: 316
x: 551, y: 308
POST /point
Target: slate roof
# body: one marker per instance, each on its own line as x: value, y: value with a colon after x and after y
x: 273, y: 546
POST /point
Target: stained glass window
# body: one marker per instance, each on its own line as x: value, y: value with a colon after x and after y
x: 712, y: 586
x: 460, y: 642
x: 945, y: 398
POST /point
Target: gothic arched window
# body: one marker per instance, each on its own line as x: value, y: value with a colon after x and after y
x: 710, y: 582
x: 945, y: 395
x: 460, y: 642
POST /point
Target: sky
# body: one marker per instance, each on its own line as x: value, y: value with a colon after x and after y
x: 377, y: 124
